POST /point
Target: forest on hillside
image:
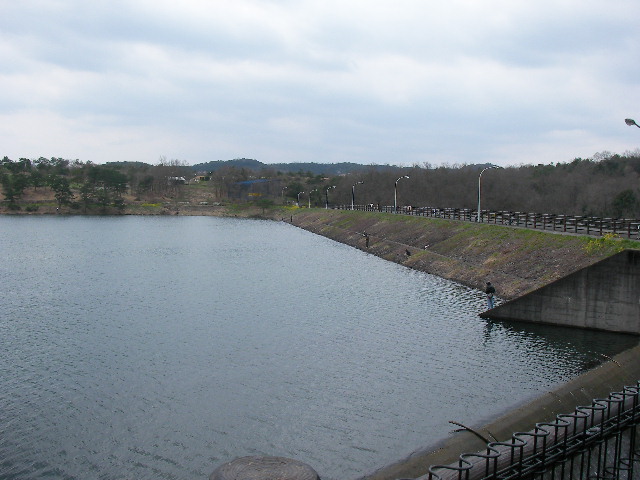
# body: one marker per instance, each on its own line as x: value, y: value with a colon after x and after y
x: 606, y: 185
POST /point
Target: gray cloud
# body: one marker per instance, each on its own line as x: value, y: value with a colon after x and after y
x: 509, y: 82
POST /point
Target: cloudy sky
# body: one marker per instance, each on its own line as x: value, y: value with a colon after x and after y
x: 401, y: 82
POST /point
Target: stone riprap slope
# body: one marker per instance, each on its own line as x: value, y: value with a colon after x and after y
x: 516, y: 260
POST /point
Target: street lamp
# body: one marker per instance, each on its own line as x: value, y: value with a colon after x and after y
x: 395, y: 194
x: 631, y: 122
x: 353, y: 194
x: 314, y: 190
x: 326, y: 196
x: 479, y: 177
x: 283, y: 189
x: 298, y: 202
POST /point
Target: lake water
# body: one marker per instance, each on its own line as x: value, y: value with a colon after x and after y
x: 162, y: 347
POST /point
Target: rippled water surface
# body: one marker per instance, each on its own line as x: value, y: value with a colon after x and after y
x: 161, y: 347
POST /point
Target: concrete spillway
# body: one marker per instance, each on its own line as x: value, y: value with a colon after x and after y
x: 603, y: 296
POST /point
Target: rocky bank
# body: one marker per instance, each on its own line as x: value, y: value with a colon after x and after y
x: 516, y: 260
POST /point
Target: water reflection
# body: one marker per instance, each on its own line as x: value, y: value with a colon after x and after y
x: 146, y: 347
x: 586, y: 348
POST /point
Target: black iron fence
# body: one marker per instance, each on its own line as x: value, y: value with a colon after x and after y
x: 585, y: 225
x: 593, y: 442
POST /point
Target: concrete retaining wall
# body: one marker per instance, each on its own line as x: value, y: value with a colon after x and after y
x: 603, y: 296
x: 609, y: 377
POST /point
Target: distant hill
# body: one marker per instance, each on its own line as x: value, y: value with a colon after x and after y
x: 314, y: 168
x: 237, y: 163
x: 135, y: 165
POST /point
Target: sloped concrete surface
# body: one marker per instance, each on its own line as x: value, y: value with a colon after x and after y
x: 603, y: 296
x: 611, y: 376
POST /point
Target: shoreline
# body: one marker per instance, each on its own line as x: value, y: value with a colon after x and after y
x: 390, y: 244
x: 517, y: 261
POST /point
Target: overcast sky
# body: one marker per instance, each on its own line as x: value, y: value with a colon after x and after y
x: 401, y: 82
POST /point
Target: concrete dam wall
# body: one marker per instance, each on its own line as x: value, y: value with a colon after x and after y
x: 548, y: 278
x: 611, y: 376
x: 603, y: 296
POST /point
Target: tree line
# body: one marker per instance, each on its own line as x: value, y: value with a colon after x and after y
x: 605, y: 185
x: 79, y: 185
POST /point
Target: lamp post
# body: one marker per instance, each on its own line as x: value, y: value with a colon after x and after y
x: 326, y: 196
x: 314, y: 190
x: 283, y: 189
x: 395, y: 194
x: 631, y: 122
x: 479, y: 178
x: 353, y: 194
x: 298, y: 202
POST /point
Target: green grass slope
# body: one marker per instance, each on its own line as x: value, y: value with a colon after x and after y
x: 516, y: 260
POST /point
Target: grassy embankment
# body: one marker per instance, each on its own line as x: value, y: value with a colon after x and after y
x: 516, y: 260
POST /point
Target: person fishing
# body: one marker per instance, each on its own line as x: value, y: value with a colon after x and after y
x: 490, y: 291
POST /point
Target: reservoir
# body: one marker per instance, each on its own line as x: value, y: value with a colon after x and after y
x: 162, y: 347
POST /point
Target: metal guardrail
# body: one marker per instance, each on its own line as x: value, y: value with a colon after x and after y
x: 585, y: 225
x: 594, y: 442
